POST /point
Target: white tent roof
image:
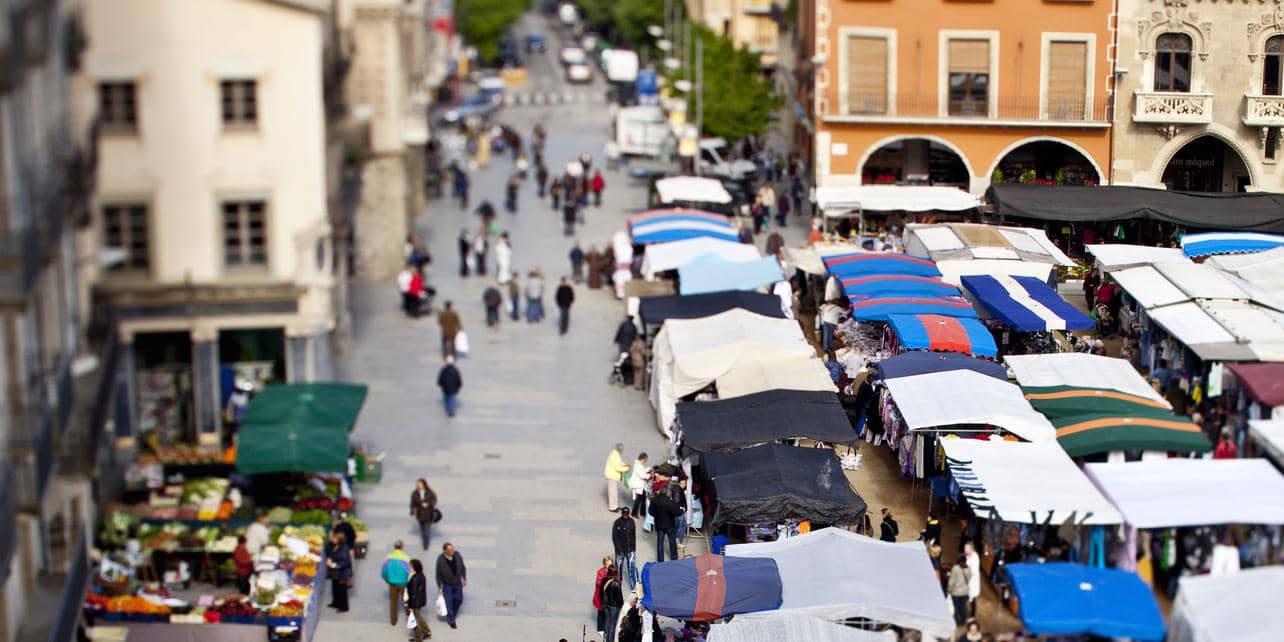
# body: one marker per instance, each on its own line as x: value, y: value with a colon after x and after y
x: 1201, y: 281
x: 1269, y: 434
x: 1148, y: 287
x: 1080, y: 370
x: 691, y: 189
x: 1169, y: 493
x: 670, y: 256
x: 959, y: 397
x: 1261, y: 328
x: 1264, y: 270
x: 801, y: 373
x: 836, y: 575
x: 952, y: 271
x: 810, y: 259
x: 1117, y: 255
x: 1243, y: 606
x: 942, y: 241
x: 879, y: 198
x: 1023, y: 482
x: 1193, y: 327
x: 792, y: 626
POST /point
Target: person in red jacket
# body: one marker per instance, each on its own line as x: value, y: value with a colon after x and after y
x: 1225, y: 447
x: 598, y: 184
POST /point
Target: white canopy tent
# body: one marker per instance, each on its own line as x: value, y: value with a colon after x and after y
x: 1113, y: 256
x: 964, y: 397
x: 1191, y: 326
x: 799, y: 373
x: 1025, y: 483
x: 1269, y: 434
x: 673, y: 255
x: 1081, y: 371
x: 1244, y: 607
x: 689, y: 354
x: 1148, y: 287
x: 1261, y: 328
x: 837, y: 575
x: 691, y: 189
x: 892, y: 198
x: 1261, y: 274
x: 791, y: 626
x: 964, y: 241
x: 1169, y: 493
x: 1201, y: 281
x: 953, y: 271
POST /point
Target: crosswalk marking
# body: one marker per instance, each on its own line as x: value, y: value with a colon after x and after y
x: 539, y: 98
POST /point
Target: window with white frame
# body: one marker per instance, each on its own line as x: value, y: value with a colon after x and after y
x: 245, y: 233
x: 867, y: 74
x: 969, y: 77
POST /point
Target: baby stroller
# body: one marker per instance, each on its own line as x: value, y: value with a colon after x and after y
x: 621, y: 371
x: 1106, y: 323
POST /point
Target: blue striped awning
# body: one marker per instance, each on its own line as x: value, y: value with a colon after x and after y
x: 1025, y: 303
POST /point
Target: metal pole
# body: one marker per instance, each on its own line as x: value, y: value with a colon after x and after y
x: 699, y: 54
x: 668, y: 25
x: 686, y: 50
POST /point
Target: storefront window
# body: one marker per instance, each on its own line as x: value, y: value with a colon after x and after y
x: 1172, y: 62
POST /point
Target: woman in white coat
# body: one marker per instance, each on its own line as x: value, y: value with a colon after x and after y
x: 639, y: 477
x: 503, y: 259
x: 973, y: 580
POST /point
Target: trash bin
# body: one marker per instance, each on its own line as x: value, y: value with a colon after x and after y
x: 360, y: 459
x: 371, y: 469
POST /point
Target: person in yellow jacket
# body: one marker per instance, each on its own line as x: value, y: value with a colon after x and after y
x: 615, y: 467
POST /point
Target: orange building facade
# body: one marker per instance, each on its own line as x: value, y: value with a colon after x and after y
x: 959, y: 92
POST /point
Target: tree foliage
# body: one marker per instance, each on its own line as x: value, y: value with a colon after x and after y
x: 483, y: 23
x: 739, y: 100
x: 632, y: 17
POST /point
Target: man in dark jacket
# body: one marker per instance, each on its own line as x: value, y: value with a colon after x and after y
x: 492, y: 299
x: 565, y: 296
x: 576, y: 256
x: 666, y: 512
x: 452, y: 577
x: 450, y: 382
x: 417, y: 599
x: 889, y: 529
x: 625, y: 334
x: 624, y: 536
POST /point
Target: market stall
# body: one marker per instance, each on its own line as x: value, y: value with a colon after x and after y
x: 794, y: 373
x: 1113, y: 256
x: 1269, y: 436
x: 706, y: 274
x: 730, y: 424
x: 909, y: 364
x: 1243, y: 607
x: 1095, y: 420
x: 851, y: 206
x: 962, y: 399
x: 835, y: 575
x: 773, y: 484
x: 662, y: 257
x: 937, y: 333
x: 1073, y: 599
x: 973, y: 241
x: 1024, y: 304
x: 299, y: 427
x: 1209, y: 243
x: 844, y: 266
x: 675, y: 225
x: 1080, y: 371
x: 1168, y: 493
x: 1260, y: 211
x: 654, y: 311
x: 710, y: 587
x: 678, y: 190
x: 792, y: 626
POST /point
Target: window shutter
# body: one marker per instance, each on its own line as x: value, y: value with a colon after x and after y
x: 970, y: 56
x: 1067, y: 79
x: 866, y: 75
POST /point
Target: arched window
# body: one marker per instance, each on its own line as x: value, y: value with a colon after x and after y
x: 1172, y: 62
x: 1273, y: 66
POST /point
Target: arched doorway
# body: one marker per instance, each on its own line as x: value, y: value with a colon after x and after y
x: 1047, y: 162
x: 915, y: 161
x: 1207, y: 164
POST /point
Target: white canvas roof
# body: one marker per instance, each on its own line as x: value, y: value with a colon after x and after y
x: 1261, y: 328
x: 959, y: 397
x: 1113, y: 256
x: 809, y: 259
x: 670, y: 256
x: 1081, y: 371
x: 802, y: 373
x: 1170, y: 493
x: 892, y: 198
x: 1148, y: 287
x: 691, y: 189
x: 1201, y: 281
x: 1023, y: 482
x: 1269, y: 434
x: 792, y: 626
x: 952, y: 271
x: 1243, y: 606
x: 837, y: 575
x: 942, y: 241
x: 1194, y: 328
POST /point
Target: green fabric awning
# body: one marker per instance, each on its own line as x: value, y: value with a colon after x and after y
x: 1092, y: 420
x: 299, y: 427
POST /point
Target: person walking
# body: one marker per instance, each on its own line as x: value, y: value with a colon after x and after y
x: 555, y: 193
x: 612, y: 600
x: 569, y: 208
x: 639, y: 354
x: 597, y: 593
x: 889, y: 529
x: 504, y: 258
x: 510, y: 193
x: 414, y: 252
x: 767, y: 199
x: 631, y: 623
x: 244, y: 566
x: 450, y: 382
x: 395, y: 573
x: 665, y: 511
x: 615, y: 466
x: 576, y: 255
x: 417, y: 599
x: 534, y: 296
x: 492, y: 299
x: 448, y: 321
x: 624, y: 537
x: 974, y: 577
x: 481, y: 247
x: 487, y: 213
x: 452, y: 577
x: 597, y: 184
x: 639, y: 478
x: 782, y: 209
x: 514, y: 299
x: 541, y: 178
x: 564, y: 297
x: 423, y: 507
x: 956, y: 586
x: 625, y: 333
x: 462, y: 184
x: 465, y: 251
x: 339, y: 563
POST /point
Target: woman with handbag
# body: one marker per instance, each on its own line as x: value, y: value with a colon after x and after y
x: 340, y: 565
x: 423, y: 507
x: 417, y: 599
x: 597, y: 593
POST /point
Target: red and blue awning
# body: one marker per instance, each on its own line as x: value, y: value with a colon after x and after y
x: 1025, y: 303
x: 846, y: 266
x: 711, y: 587
x: 898, y: 284
x: 880, y: 308
x: 943, y: 334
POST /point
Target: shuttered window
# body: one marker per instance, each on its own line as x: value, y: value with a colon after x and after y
x: 969, y: 77
x: 866, y: 75
x: 1067, y: 80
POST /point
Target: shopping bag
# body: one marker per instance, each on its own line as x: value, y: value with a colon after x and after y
x: 461, y: 342
x: 441, y: 605
x: 411, y: 622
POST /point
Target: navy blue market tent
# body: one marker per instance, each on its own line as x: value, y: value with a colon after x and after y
x: 1073, y: 599
x: 1024, y: 303
x: 918, y: 362
x: 711, y: 587
x: 728, y: 424
x: 656, y: 309
x: 771, y: 483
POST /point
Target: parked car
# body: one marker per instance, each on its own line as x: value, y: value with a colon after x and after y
x: 572, y: 55
x: 476, y: 105
x: 715, y: 159
x: 535, y: 43
x: 578, y: 72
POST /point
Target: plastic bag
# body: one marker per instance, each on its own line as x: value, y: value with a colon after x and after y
x: 441, y: 605
x: 411, y: 622
x: 461, y: 342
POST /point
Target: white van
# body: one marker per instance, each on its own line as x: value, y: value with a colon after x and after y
x: 641, y: 131
x: 714, y: 155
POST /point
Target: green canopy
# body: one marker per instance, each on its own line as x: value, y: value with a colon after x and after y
x: 1093, y: 420
x: 299, y: 427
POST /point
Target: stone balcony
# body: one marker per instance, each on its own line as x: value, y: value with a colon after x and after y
x: 1264, y: 111
x: 1173, y: 108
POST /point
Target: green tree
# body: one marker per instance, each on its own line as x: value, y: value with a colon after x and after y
x: 483, y: 23
x: 632, y: 17
x: 739, y: 100
x: 599, y: 15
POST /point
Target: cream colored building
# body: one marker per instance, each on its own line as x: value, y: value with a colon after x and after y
x: 1199, y: 95
x: 213, y: 183
x: 749, y: 24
